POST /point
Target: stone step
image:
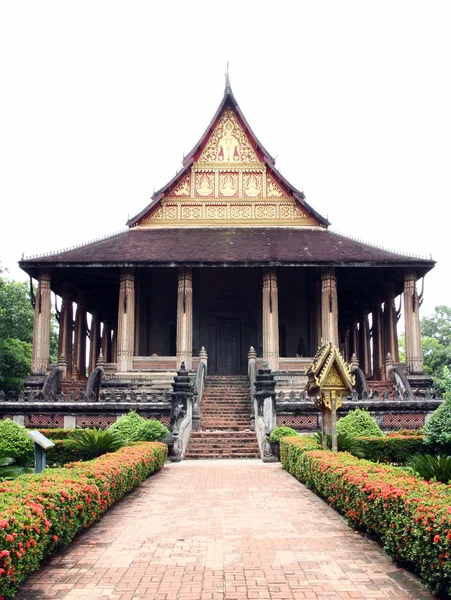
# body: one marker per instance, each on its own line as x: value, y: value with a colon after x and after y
x: 231, y: 455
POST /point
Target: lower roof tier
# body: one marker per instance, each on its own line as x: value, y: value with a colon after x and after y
x: 256, y: 246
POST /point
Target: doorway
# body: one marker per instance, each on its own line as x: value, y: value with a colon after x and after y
x: 228, y: 336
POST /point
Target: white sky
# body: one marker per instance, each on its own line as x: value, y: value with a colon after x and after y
x: 100, y: 100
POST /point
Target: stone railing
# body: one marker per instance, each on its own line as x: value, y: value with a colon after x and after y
x: 181, y: 413
x: 265, y: 411
x: 199, y: 384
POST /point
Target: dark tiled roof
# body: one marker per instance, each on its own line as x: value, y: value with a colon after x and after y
x: 235, y: 246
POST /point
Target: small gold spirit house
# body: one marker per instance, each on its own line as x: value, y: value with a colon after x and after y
x: 329, y: 379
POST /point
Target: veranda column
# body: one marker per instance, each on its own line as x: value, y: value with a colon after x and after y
x: 126, y: 321
x: 41, y: 329
x: 184, y: 345
x: 114, y: 343
x: 106, y: 340
x: 94, y: 341
x: 80, y: 337
x: 378, y: 350
x: 66, y: 327
x: 354, y: 339
x: 329, y: 307
x: 365, y: 348
x: 414, y: 352
x: 390, y: 325
x: 270, y: 319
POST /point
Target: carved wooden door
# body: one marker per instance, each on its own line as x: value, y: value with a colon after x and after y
x: 228, y: 360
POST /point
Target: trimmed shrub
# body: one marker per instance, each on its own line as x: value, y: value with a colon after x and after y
x: 438, y: 429
x: 39, y: 513
x: 391, y: 449
x: 127, y: 426
x: 15, y: 443
x: 410, y: 516
x: 150, y: 431
x: 279, y: 432
x: 358, y: 423
x: 95, y: 441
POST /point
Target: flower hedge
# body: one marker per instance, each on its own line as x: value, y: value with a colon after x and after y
x: 39, y: 513
x: 411, y: 517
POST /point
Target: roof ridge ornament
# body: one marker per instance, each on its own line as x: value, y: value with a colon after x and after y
x: 228, y: 87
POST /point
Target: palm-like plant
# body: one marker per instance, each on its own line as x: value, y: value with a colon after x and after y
x: 345, y: 443
x: 431, y: 467
x: 94, y: 441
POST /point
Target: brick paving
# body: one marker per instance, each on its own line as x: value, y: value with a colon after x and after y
x: 221, y: 530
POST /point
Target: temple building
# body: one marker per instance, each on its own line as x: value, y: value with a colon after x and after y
x: 228, y: 255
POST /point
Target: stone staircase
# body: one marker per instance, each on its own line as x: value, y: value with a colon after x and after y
x: 224, y: 421
x: 380, y: 387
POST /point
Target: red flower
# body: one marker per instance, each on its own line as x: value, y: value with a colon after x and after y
x: 436, y: 539
x: 9, y: 538
x: 55, y: 538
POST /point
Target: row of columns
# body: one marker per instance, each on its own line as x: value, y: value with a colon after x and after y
x: 121, y: 346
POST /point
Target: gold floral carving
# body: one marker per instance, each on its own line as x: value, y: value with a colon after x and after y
x: 228, y: 143
x: 291, y: 211
x: 241, y: 211
x: 191, y: 212
x: 265, y: 211
x: 184, y: 188
x: 272, y: 189
x: 252, y: 184
x: 214, y: 211
x: 333, y: 379
x: 228, y: 184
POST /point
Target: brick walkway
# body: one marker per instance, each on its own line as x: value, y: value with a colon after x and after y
x: 221, y: 530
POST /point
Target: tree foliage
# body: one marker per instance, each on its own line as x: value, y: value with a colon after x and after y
x: 436, y: 342
x: 16, y: 311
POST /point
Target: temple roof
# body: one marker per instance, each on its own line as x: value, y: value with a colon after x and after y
x: 228, y: 164
x: 228, y: 246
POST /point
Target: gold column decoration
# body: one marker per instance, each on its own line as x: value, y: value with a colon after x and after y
x: 414, y: 352
x: 125, y: 343
x: 329, y: 306
x: 185, y: 318
x: 329, y: 381
x: 41, y: 328
x: 270, y: 319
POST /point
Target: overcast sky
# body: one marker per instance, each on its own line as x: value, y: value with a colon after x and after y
x: 100, y: 100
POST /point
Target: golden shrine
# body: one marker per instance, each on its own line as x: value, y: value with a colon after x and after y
x: 329, y: 381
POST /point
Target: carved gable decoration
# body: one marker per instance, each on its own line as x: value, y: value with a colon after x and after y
x: 329, y: 371
x: 228, y: 143
x: 228, y: 185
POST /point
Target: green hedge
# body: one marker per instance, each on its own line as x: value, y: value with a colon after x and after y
x: 39, y: 513
x: 391, y: 449
x: 411, y: 517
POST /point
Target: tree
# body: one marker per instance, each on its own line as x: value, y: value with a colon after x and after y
x: 436, y: 342
x: 438, y: 325
x: 16, y: 311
